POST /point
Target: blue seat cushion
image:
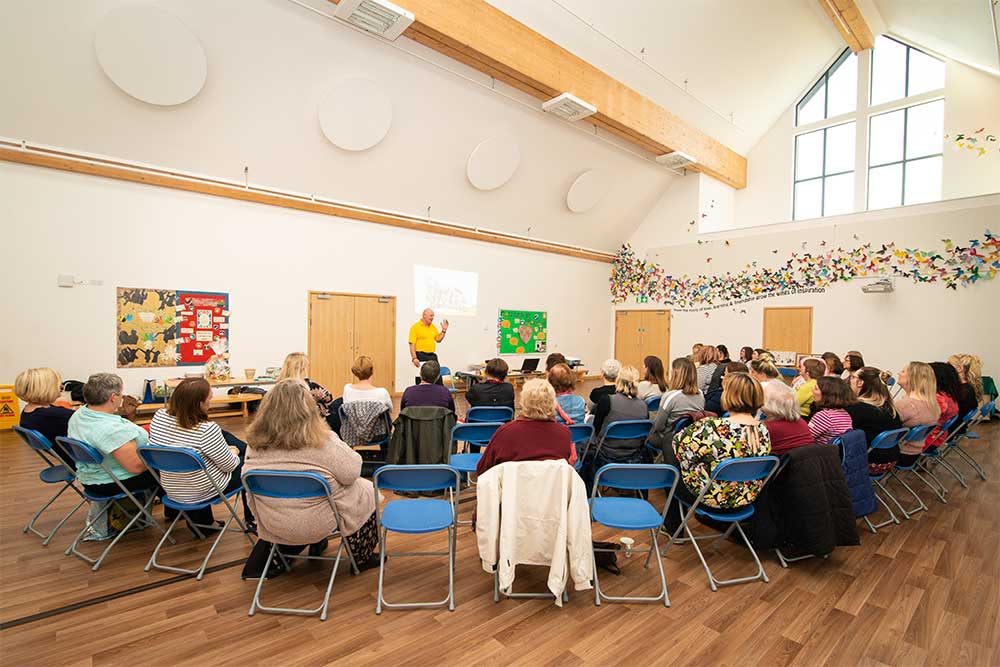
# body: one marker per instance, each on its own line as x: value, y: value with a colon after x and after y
x: 737, y: 514
x: 56, y: 474
x: 190, y: 507
x: 93, y: 497
x: 971, y: 434
x: 416, y: 516
x: 625, y: 513
x: 464, y: 462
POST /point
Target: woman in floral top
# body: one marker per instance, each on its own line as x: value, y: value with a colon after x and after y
x: 701, y: 446
x: 296, y: 367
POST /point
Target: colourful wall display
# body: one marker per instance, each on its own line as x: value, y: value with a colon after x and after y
x: 522, y: 331
x: 163, y: 327
x: 952, y: 265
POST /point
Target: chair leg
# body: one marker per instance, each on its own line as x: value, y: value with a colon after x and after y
x: 31, y: 524
x: 697, y: 550
x: 655, y: 549
x: 893, y: 498
x: 381, y: 568
x: 921, y: 507
x: 260, y: 581
x: 597, y: 582
x: 924, y: 471
x: 916, y: 472
x: 892, y: 517
x: 954, y: 472
x: 71, y: 549
x: 971, y: 461
x: 151, y: 563
x: 451, y: 567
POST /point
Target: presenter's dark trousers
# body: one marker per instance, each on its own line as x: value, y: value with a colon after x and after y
x: 426, y: 356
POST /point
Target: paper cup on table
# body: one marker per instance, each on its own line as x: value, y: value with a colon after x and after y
x: 251, y: 373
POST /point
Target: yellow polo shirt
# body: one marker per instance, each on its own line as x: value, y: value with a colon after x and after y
x: 423, y: 337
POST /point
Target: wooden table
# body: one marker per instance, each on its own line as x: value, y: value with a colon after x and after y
x: 243, y: 411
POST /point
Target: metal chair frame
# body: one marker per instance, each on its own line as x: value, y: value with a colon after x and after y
x: 722, y: 472
x: 934, y: 457
x: 619, y: 474
x: 466, y: 462
x: 631, y: 429
x: 41, y: 446
x: 489, y: 414
x: 954, y: 444
x: 186, y: 460
x: 256, y: 484
x: 885, y: 440
x: 391, y: 471
x: 915, y: 434
x: 85, y: 453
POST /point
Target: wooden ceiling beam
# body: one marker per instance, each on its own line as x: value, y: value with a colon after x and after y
x: 481, y: 36
x: 850, y: 23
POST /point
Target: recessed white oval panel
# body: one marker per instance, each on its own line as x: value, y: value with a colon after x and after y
x: 150, y: 54
x: 587, y: 190
x: 493, y: 162
x: 354, y: 114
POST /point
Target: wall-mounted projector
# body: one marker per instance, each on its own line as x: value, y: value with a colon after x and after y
x: 880, y: 286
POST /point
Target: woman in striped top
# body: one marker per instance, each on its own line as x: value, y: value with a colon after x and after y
x: 830, y: 395
x: 184, y: 423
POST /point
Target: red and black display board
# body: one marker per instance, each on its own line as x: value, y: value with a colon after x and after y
x: 202, y: 320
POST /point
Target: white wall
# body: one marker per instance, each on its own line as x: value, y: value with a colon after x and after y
x: 267, y: 258
x: 268, y: 62
x: 925, y: 321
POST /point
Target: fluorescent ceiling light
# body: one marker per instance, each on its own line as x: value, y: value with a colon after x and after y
x: 568, y: 107
x: 377, y: 16
x: 676, y: 160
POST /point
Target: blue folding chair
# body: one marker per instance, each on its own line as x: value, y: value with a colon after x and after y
x: 629, y: 429
x: 290, y: 485
x: 475, y: 435
x: 917, y: 434
x: 954, y: 442
x: 885, y: 440
x: 183, y: 460
x: 56, y: 471
x: 742, y: 470
x: 446, y: 373
x: 85, y: 454
x: 633, y: 514
x: 417, y: 516
x: 489, y: 413
x: 580, y: 434
x: 653, y: 403
x: 932, y: 457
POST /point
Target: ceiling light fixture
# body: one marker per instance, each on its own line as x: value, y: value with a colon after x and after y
x: 676, y: 160
x: 568, y: 107
x: 376, y: 16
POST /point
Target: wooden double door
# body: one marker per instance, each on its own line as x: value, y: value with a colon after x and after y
x: 344, y: 326
x: 640, y: 333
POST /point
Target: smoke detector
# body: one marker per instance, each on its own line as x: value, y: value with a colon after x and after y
x: 376, y: 16
x: 676, y: 160
x: 568, y: 107
x: 880, y: 286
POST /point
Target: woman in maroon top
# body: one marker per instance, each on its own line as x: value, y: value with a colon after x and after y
x: 534, y: 435
x: 784, y: 424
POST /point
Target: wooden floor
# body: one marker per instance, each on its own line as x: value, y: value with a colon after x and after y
x: 926, y: 592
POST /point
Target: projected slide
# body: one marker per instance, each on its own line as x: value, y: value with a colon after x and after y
x: 447, y: 292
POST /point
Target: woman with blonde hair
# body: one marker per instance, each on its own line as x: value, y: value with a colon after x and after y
x: 623, y: 405
x: 763, y: 371
x: 969, y: 369
x: 682, y: 397
x: 296, y: 367
x: 534, y: 435
x: 289, y: 434
x: 40, y: 388
x: 920, y: 405
x: 364, y: 389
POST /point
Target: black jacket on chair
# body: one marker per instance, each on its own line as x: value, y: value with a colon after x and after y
x: 807, y: 506
x: 422, y: 434
x: 490, y: 394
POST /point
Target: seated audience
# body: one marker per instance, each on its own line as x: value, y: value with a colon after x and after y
x: 493, y: 390
x: 833, y: 364
x: 701, y: 446
x: 653, y: 383
x: 364, y: 389
x: 713, y: 397
x: 428, y: 392
x: 553, y: 359
x: 620, y: 406
x: 534, y: 435
x: 288, y: 434
x: 967, y: 399
x: 784, y: 424
x: 830, y: 396
x: 184, y: 423
x: 852, y: 363
x: 874, y: 414
x: 948, y: 394
x: 114, y: 437
x: 758, y: 352
x: 682, y: 397
x: 570, y: 408
x: 707, y: 360
x: 764, y: 371
x: 811, y: 370
x: 723, y: 354
x: 40, y: 388
x: 609, y: 375
x: 919, y: 407
x: 296, y: 367
x: 746, y: 355
x: 694, y: 350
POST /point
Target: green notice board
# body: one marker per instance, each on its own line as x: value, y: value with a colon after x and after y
x: 522, y: 331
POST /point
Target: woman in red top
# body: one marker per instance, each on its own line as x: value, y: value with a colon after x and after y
x: 948, y: 388
x: 534, y: 435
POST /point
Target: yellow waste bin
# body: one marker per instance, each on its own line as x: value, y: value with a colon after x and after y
x: 9, y: 409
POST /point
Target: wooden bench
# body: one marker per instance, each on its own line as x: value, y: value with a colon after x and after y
x: 217, y: 401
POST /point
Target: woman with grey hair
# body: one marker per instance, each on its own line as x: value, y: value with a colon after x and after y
x: 609, y: 372
x: 783, y: 422
x: 114, y: 437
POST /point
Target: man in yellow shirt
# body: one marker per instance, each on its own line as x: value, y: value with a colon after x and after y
x: 424, y: 337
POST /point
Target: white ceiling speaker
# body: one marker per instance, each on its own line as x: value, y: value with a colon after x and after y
x: 150, y: 54
x: 676, y: 160
x: 376, y: 16
x: 568, y: 107
x: 492, y: 163
x: 354, y: 114
x: 587, y: 190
